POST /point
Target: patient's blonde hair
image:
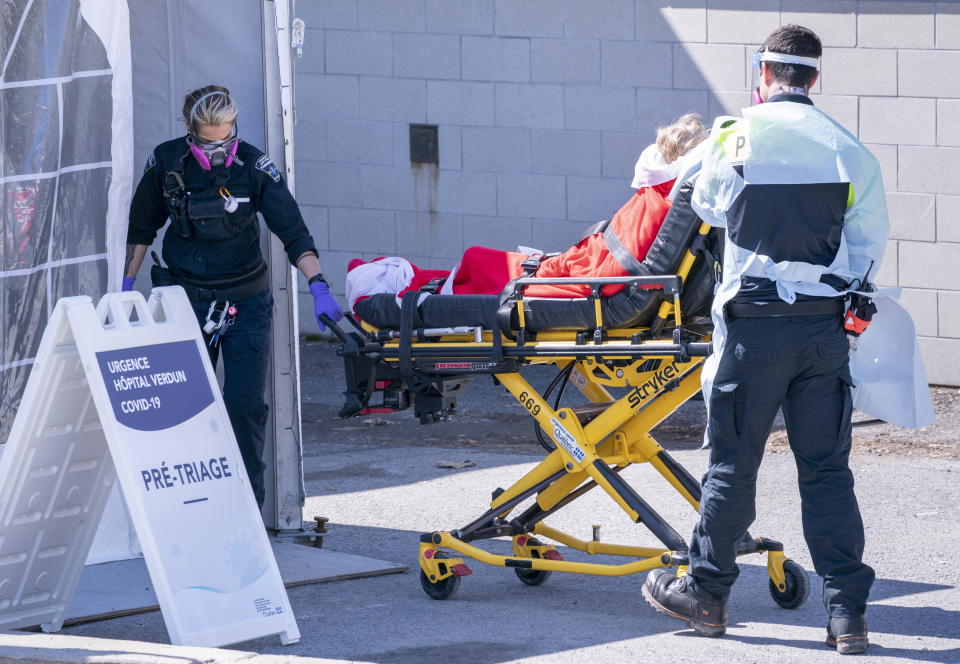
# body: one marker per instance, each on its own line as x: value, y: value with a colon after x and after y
x: 676, y: 139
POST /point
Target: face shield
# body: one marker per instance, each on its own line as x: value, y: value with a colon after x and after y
x: 770, y: 56
x: 755, y: 79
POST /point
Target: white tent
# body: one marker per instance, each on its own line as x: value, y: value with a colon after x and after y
x: 87, y: 88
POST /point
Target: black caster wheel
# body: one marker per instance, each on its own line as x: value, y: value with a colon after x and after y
x: 533, y: 577
x: 443, y: 589
x: 798, y: 586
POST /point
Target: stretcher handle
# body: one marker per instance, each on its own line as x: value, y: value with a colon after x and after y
x: 333, y: 327
x: 669, y: 284
x: 470, y: 350
x: 353, y: 321
x: 699, y: 349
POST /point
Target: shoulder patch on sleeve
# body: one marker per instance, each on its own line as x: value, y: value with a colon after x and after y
x: 265, y: 165
x: 735, y: 143
x: 731, y: 136
x: 151, y: 161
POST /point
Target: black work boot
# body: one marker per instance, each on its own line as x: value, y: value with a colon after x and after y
x: 676, y: 597
x: 848, y: 635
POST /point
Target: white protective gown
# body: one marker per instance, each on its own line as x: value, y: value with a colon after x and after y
x: 792, y: 145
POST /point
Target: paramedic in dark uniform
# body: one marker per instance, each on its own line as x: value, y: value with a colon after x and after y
x: 803, y: 205
x: 211, y: 185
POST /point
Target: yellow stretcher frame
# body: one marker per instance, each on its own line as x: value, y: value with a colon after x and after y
x: 618, y: 437
x: 592, y: 445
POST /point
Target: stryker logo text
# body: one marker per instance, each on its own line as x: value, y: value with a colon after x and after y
x: 645, y: 390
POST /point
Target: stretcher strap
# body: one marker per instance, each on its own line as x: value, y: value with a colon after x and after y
x: 496, y: 338
x: 433, y: 286
x: 408, y: 309
x: 699, y: 246
x: 531, y: 265
x: 593, y: 229
x: 626, y: 260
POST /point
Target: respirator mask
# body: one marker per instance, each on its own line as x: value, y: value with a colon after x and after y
x: 770, y: 56
x: 211, y: 154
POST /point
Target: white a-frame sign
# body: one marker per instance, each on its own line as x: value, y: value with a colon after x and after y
x: 126, y: 390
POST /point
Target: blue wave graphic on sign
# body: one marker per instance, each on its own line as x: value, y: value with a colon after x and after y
x: 221, y: 591
x: 155, y: 387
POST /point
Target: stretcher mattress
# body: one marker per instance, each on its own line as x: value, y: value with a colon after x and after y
x: 633, y: 307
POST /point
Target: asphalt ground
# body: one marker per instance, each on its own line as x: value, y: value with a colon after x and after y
x: 377, y: 479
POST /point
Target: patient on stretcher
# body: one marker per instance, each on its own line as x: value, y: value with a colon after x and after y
x: 485, y: 271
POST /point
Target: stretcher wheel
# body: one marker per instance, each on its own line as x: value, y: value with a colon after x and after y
x: 443, y: 589
x: 533, y: 577
x: 798, y: 586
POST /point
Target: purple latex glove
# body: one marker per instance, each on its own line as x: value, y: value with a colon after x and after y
x: 324, y: 304
x: 128, y: 283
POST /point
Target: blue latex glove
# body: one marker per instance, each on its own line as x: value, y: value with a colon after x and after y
x: 324, y: 304
x: 128, y: 283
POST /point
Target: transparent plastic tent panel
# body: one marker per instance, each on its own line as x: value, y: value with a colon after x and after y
x: 54, y: 74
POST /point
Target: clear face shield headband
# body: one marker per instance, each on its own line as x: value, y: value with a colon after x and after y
x: 770, y: 56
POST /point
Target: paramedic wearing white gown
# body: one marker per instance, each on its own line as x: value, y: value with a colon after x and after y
x: 803, y: 205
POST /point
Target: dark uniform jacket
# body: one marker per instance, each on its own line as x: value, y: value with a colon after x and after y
x: 205, y: 244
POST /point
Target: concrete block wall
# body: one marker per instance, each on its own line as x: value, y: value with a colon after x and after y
x: 544, y: 105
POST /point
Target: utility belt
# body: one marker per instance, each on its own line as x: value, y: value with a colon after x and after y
x: 824, y: 306
x: 223, y: 290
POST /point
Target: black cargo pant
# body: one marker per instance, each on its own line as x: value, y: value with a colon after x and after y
x: 246, y: 354
x: 800, y: 363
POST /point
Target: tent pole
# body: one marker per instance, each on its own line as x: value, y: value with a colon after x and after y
x: 283, y: 508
